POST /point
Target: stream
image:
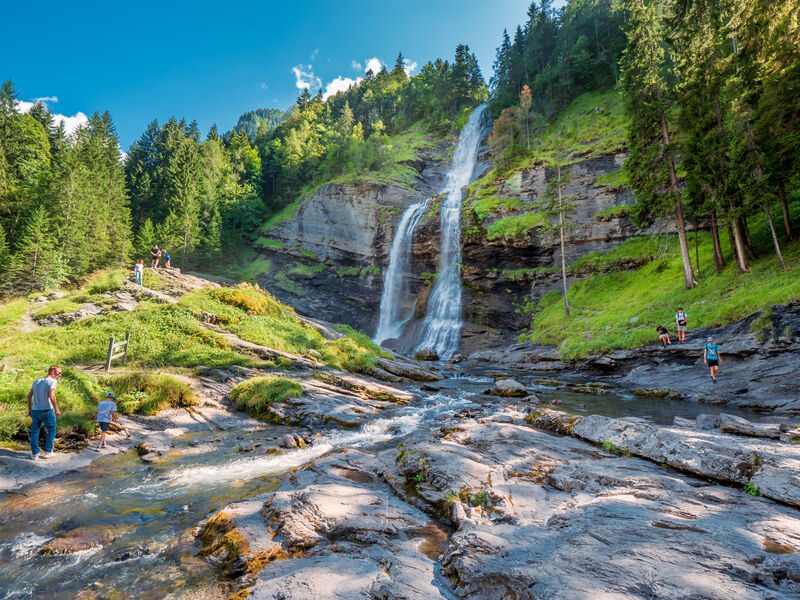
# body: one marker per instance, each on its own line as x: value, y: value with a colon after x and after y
x: 152, y: 508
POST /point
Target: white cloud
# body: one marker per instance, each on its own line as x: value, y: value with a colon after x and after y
x: 356, y: 66
x: 314, y: 53
x: 262, y: 86
x: 71, y: 124
x: 409, y: 66
x: 304, y: 78
x: 340, y: 84
x: 46, y: 99
x: 374, y: 64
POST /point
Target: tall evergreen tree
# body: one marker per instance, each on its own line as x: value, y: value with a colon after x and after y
x: 646, y: 80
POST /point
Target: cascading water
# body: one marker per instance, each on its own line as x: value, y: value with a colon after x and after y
x: 396, y: 311
x: 441, y: 328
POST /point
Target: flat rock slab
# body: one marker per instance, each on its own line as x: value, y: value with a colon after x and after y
x: 771, y: 465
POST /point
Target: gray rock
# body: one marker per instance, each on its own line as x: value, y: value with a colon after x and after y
x: 509, y: 388
x: 705, y: 421
x: 740, y: 426
x: 426, y: 355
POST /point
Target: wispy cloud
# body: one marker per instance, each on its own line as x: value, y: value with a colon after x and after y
x: 262, y: 86
x: 356, y: 66
x: 340, y: 84
x: 304, y: 78
x: 409, y: 66
x: 374, y: 64
x: 314, y: 53
x: 71, y: 123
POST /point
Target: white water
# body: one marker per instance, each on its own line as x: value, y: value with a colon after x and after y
x: 442, y: 325
x: 441, y: 329
x: 396, y: 310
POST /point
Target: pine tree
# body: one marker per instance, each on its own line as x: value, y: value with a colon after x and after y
x: 37, y: 264
x: 651, y: 163
x: 146, y: 238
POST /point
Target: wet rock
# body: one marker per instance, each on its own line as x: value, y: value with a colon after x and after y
x: 685, y: 423
x: 142, y: 449
x: 426, y: 355
x: 81, y: 539
x: 289, y: 442
x: 407, y: 370
x: 509, y: 388
x: 455, y: 359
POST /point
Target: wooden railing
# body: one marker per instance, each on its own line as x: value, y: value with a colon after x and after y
x: 117, y: 350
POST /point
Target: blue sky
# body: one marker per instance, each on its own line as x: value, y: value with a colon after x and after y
x: 212, y: 61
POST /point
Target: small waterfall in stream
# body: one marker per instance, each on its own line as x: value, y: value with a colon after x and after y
x: 441, y: 328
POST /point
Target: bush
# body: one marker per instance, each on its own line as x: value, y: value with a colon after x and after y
x: 256, y: 395
x: 250, y: 299
x: 149, y: 394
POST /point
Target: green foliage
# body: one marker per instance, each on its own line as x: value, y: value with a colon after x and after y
x: 285, y: 214
x: 751, y: 489
x: 609, y: 446
x: 603, y: 306
x: 479, y: 498
x: 613, y: 212
x: 763, y: 327
x: 516, y: 227
x: 306, y: 270
x: 614, y: 179
x: 149, y: 393
x: 256, y: 395
x: 493, y: 205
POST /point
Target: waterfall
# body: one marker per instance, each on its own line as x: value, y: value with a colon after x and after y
x: 396, y: 311
x: 441, y: 329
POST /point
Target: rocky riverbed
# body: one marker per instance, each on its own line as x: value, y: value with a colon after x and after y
x: 431, y: 490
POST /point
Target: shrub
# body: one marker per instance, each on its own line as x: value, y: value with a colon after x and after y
x: 250, y: 299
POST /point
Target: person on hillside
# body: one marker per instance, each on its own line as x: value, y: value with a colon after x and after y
x: 712, y: 358
x: 167, y: 259
x: 106, y: 413
x: 43, y: 410
x: 663, y: 336
x: 681, y: 319
x: 155, y: 254
x: 138, y: 271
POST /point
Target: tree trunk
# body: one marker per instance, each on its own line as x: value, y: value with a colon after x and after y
x: 679, y: 220
x: 767, y: 209
x: 739, y: 243
x: 751, y: 252
x: 563, y: 245
x: 787, y: 223
x: 719, y: 259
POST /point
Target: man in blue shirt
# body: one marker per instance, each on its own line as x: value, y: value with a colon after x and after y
x: 43, y: 410
x: 711, y: 358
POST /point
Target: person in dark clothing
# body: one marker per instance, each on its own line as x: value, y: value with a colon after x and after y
x: 155, y: 254
x: 663, y: 335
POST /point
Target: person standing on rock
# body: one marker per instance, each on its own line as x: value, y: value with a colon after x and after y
x: 712, y: 358
x: 155, y: 253
x: 43, y: 410
x: 106, y: 412
x: 138, y: 271
x: 681, y: 319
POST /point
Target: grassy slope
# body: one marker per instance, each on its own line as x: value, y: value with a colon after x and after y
x: 621, y: 309
x: 162, y: 337
x: 592, y: 125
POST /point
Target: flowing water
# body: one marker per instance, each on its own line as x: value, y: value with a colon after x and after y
x: 153, y: 508
x: 441, y: 328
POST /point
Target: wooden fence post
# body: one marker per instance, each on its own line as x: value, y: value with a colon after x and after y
x: 110, y: 353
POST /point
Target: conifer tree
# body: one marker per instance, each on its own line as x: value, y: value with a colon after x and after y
x: 651, y: 163
x: 37, y: 264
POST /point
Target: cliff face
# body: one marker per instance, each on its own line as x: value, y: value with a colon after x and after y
x: 328, y: 260
x: 502, y: 274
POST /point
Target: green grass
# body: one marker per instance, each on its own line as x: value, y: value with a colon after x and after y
x: 57, y: 307
x: 516, y: 227
x: 493, y: 205
x: 613, y: 212
x: 615, y: 179
x: 285, y: 214
x: 305, y: 270
x: 287, y: 285
x: 252, y: 269
x: 269, y: 243
x: 621, y: 309
x: 256, y: 395
x: 149, y: 393
x: 348, y: 271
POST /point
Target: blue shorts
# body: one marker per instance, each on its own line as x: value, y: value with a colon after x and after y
x: 104, y: 426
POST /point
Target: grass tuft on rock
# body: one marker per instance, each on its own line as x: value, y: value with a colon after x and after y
x: 256, y: 395
x: 149, y: 393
